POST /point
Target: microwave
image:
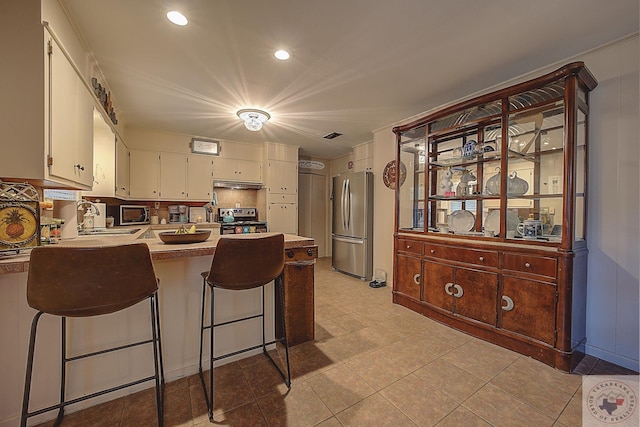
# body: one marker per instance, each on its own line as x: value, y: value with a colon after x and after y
x: 130, y: 214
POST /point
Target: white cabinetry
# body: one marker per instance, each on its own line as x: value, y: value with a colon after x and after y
x: 169, y: 176
x: 363, y: 156
x: 199, y: 177
x: 104, y: 158
x: 281, y: 180
x: 143, y: 174
x: 46, y: 115
x: 237, y: 170
x: 173, y: 176
x: 122, y: 170
x: 71, y: 122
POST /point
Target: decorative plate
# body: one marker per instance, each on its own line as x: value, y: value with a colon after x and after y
x: 19, y: 225
x: 461, y: 221
x: 389, y: 174
x: 492, y: 222
x: 172, y: 238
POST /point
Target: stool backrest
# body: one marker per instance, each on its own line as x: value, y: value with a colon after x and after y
x: 89, y: 281
x: 247, y: 262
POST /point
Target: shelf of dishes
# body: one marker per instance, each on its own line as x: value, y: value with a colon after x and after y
x: 519, y: 224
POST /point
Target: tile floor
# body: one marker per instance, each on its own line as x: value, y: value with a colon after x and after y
x: 373, y: 363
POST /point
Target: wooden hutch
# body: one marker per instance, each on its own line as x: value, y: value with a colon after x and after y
x: 490, y: 220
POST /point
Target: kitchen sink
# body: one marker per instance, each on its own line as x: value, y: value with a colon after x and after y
x: 108, y: 231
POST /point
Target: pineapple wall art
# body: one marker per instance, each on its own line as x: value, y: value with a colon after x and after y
x: 19, y: 217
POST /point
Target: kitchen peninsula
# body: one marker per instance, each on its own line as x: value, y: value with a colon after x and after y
x: 178, y: 268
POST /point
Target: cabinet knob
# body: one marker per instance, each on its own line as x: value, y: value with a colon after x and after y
x: 526, y: 264
x: 509, y: 302
x: 447, y: 288
x: 79, y: 166
x: 408, y: 246
x: 433, y: 251
x: 459, y: 292
x: 416, y: 279
x: 481, y: 258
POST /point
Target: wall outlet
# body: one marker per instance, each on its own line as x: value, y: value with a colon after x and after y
x: 157, y: 205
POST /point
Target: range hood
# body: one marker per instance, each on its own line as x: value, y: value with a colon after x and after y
x: 237, y: 185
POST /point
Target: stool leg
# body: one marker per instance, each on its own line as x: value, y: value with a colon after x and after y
x: 279, y: 282
x: 211, y: 356
x: 27, y: 380
x: 157, y: 357
x: 63, y: 371
x: 207, y: 397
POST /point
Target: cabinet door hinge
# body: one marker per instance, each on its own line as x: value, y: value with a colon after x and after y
x: 49, y: 47
x: 49, y: 161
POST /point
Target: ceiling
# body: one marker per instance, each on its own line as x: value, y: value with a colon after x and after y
x: 356, y: 65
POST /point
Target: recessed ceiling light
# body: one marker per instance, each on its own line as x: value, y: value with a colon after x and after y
x: 177, y: 18
x: 282, y: 55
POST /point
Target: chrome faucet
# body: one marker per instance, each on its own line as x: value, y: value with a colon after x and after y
x: 83, y: 202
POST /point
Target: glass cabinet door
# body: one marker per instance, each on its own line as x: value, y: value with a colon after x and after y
x: 535, y: 168
x: 411, y: 208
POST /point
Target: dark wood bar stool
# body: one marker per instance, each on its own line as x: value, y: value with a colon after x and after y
x: 241, y: 263
x: 85, y: 282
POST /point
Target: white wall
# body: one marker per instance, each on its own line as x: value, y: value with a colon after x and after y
x: 613, y: 228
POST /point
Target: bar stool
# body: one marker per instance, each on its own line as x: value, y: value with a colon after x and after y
x: 240, y: 263
x: 85, y: 282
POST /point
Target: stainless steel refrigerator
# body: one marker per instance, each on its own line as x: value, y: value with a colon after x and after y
x: 352, y: 231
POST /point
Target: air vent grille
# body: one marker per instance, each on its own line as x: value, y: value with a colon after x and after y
x: 332, y: 135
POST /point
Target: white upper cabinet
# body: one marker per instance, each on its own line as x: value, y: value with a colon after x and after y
x: 237, y: 170
x: 199, y: 177
x: 71, y: 122
x: 282, y: 177
x: 143, y: 174
x: 104, y: 158
x: 173, y: 176
x: 122, y: 170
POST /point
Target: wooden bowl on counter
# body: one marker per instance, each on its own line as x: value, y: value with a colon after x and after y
x: 170, y: 237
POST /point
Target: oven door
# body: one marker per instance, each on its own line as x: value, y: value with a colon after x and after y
x: 227, y: 229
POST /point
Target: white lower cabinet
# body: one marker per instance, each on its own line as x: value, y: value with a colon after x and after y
x: 282, y: 217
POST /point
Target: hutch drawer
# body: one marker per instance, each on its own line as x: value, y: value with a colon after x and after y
x: 411, y: 246
x: 524, y: 263
x: 476, y: 257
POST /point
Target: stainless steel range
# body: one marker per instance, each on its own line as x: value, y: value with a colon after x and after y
x: 245, y: 220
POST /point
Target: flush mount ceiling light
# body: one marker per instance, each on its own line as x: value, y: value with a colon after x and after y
x: 253, y: 119
x: 282, y: 55
x: 177, y: 18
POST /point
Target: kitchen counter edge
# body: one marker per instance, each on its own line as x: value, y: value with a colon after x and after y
x: 159, y: 250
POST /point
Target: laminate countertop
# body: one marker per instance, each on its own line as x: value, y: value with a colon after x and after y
x: 19, y: 263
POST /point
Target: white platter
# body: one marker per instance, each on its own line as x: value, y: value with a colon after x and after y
x: 461, y: 221
x: 492, y: 222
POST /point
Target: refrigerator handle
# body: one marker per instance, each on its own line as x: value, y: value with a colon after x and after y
x: 348, y: 204
x: 342, y: 204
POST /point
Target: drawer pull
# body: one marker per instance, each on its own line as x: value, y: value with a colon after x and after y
x: 408, y: 246
x: 416, y: 279
x: 526, y: 264
x: 433, y: 251
x: 481, y: 258
x: 447, y: 288
x: 459, y: 293
x: 509, y: 302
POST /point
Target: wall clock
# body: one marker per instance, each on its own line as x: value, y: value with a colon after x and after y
x: 389, y: 174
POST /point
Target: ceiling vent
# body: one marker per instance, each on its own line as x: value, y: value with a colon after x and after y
x: 332, y: 135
